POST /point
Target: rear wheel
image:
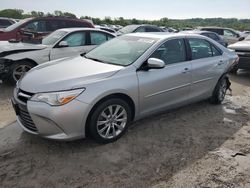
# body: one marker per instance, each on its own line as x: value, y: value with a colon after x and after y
x: 110, y: 120
x: 220, y: 91
x: 234, y: 70
x: 18, y: 69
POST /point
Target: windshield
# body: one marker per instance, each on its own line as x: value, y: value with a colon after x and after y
x: 53, y: 37
x: 16, y: 25
x: 248, y: 37
x: 128, y: 29
x: 122, y: 51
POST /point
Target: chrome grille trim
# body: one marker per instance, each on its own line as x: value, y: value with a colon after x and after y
x: 26, y: 120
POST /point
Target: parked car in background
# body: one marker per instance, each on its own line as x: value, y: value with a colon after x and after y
x: 139, y: 28
x: 18, y: 58
x: 186, y: 29
x: 125, y: 79
x: 242, y: 48
x: 6, y: 22
x: 230, y: 35
x: 211, y: 35
x: 169, y: 29
x: 246, y: 32
x: 33, y: 30
x: 105, y: 29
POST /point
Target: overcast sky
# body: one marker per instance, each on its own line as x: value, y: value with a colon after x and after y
x: 140, y: 9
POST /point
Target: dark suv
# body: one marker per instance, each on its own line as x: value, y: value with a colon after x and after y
x: 32, y: 30
x: 230, y: 35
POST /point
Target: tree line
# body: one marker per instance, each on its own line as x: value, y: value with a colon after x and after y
x: 239, y: 24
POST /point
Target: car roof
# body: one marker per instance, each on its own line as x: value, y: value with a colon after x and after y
x: 198, y: 32
x: 162, y: 35
x: 4, y: 18
x: 73, y: 29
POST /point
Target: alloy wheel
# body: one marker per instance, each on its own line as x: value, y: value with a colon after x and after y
x: 20, y: 70
x: 222, y: 90
x: 112, y: 121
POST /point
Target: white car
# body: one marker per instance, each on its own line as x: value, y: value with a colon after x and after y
x: 18, y: 58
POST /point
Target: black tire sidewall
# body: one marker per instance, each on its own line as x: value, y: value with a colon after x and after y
x: 93, y: 119
x: 215, y: 98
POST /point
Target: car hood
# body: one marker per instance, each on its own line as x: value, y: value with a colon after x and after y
x: 64, y: 74
x: 242, y: 45
x: 8, y: 48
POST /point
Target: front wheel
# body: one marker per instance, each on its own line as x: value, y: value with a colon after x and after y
x: 18, y: 69
x: 220, y: 91
x: 110, y: 120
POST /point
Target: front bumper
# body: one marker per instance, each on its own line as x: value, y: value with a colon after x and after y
x: 4, y: 67
x: 65, y: 122
x: 244, y: 62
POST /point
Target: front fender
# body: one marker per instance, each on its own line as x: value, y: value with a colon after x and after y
x: 38, y: 56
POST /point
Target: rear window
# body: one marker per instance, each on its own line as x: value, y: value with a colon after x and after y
x: 203, y: 49
x: 153, y: 29
x: 218, y: 31
x: 211, y: 35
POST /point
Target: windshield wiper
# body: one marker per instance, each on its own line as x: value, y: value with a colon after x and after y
x: 95, y: 59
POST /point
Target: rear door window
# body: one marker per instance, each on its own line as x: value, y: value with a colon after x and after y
x: 152, y: 29
x: 98, y: 38
x: 216, y: 51
x: 200, y: 48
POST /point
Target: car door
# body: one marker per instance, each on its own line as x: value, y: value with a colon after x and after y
x: 97, y: 38
x: 207, y: 67
x: 169, y: 86
x: 76, y: 45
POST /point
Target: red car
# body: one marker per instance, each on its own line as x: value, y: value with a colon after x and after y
x: 32, y: 30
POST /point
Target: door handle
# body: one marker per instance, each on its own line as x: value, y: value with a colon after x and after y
x: 185, y: 70
x: 221, y: 62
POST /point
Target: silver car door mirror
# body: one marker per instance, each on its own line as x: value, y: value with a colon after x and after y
x: 154, y: 63
x: 63, y: 44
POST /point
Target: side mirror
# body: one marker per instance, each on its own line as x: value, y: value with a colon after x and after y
x: 154, y: 63
x: 63, y: 44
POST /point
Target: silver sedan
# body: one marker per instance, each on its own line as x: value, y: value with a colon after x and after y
x: 130, y: 77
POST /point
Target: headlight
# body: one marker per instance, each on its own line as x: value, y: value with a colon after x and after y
x: 57, y: 98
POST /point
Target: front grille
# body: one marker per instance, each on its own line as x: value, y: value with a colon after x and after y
x: 242, y: 53
x: 24, y: 96
x: 26, y: 120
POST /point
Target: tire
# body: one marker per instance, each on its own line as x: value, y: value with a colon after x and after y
x: 110, y: 120
x: 18, y: 69
x: 234, y: 70
x: 220, y: 90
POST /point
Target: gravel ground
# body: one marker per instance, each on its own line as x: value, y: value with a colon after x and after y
x: 199, y: 145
